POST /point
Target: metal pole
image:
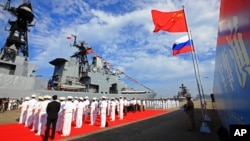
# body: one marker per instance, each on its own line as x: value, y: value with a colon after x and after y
x: 195, y: 67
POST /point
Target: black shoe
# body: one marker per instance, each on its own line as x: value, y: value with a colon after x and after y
x: 190, y: 129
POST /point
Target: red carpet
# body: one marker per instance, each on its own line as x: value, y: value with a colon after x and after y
x: 12, y: 132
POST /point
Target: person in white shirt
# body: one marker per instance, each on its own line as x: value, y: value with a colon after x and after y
x: 36, y: 114
x: 42, y: 116
x: 76, y: 100
x: 23, y: 109
x: 121, y: 106
x: 103, y: 111
x: 125, y: 101
x: 68, y: 112
x: 93, y: 106
x: 59, y: 123
x: 133, y: 104
x: 112, y: 107
x: 86, y: 108
x: 79, y: 112
x: 30, y: 110
x: 138, y: 103
x: 143, y: 105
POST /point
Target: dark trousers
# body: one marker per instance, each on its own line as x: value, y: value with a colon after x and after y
x: 49, y: 122
x: 125, y: 110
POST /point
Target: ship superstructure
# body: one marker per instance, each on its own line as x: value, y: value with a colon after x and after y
x: 78, y: 74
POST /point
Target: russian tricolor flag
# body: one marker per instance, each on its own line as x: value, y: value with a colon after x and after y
x: 182, y: 45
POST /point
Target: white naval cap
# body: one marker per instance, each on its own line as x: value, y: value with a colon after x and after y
x: 69, y: 97
x: 103, y: 97
x: 40, y: 97
x: 33, y: 95
x: 27, y: 98
x: 62, y: 98
x: 94, y: 98
x: 81, y: 98
x: 86, y: 97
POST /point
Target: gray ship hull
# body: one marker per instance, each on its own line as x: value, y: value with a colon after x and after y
x: 19, y: 87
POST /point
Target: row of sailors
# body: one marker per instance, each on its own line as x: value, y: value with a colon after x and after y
x: 162, y: 104
x: 33, y: 112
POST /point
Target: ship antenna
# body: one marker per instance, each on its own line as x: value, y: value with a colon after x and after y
x: 17, y: 41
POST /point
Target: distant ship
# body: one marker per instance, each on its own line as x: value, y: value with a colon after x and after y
x: 74, y: 76
x: 181, y: 95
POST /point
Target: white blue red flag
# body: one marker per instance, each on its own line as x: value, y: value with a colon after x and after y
x: 182, y: 45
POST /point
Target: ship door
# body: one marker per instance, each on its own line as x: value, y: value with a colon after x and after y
x: 113, y: 89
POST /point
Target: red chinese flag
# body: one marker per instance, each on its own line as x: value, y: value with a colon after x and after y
x: 173, y: 21
x: 89, y: 50
x: 68, y: 37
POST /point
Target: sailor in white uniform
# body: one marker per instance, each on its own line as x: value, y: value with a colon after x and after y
x: 42, y: 116
x: 23, y: 109
x: 86, y: 108
x: 121, y: 106
x: 59, y: 123
x: 30, y: 110
x: 112, y: 107
x: 103, y: 110
x: 76, y: 100
x: 68, y: 112
x: 79, y: 112
x: 36, y: 114
x: 108, y: 107
x: 93, y: 106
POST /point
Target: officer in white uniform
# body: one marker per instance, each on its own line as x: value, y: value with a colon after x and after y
x: 86, y: 109
x: 42, y: 116
x: 59, y: 123
x: 93, y: 106
x: 30, y: 110
x: 76, y: 100
x: 79, y: 112
x: 112, y: 107
x: 68, y: 112
x: 36, y: 114
x: 121, y: 106
x: 103, y: 111
x: 23, y: 109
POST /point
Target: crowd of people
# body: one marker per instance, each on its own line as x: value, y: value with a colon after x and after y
x: 7, y: 104
x: 34, y: 111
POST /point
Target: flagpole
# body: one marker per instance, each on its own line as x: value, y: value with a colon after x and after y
x: 204, y: 127
x: 202, y: 92
x: 193, y: 59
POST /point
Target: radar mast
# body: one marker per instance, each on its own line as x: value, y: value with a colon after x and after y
x: 81, y: 55
x: 17, y: 41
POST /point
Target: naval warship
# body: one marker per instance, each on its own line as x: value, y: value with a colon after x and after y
x: 75, y: 76
x: 181, y: 95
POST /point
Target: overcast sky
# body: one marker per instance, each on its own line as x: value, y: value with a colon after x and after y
x: 121, y: 32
